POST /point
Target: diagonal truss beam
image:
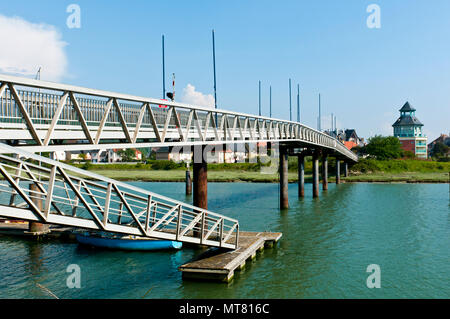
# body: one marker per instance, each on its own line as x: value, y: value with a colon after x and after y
x: 25, y: 114
x: 61, y: 105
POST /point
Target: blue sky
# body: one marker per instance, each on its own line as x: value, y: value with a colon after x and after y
x: 364, y: 75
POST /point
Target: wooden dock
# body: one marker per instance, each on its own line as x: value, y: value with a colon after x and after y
x: 21, y: 229
x: 219, y: 265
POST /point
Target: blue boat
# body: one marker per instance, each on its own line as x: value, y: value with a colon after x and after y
x: 126, y: 243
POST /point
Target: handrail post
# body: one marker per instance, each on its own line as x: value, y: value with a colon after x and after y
x: 202, y: 229
x: 237, y: 236
x: 180, y: 210
x: 221, y: 233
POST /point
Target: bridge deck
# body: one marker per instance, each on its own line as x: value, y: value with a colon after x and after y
x: 217, y: 265
x: 58, y: 117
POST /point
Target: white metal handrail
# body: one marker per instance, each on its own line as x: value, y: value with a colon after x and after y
x: 102, y: 119
x: 78, y: 198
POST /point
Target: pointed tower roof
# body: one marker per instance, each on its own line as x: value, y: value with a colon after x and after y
x: 407, y: 119
x: 407, y: 108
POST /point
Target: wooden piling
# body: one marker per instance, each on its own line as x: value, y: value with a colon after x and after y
x: 315, y: 174
x: 188, y: 181
x: 284, y: 200
x: 200, y: 171
x: 338, y: 171
x: 325, y: 172
x: 35, y: 228
x: 301, y: 175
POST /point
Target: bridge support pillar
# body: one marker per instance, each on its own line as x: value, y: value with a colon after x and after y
x: 188, y: 180
x: 35, y: 228
x: 325, y: 172
x: 315, y: 171
x: 338, y: 171
x: 200, y: 171
x: 345, y: 169
x: 301, y: 175
x: 284, y: 201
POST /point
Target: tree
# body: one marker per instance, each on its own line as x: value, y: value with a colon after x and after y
x: 359, y: 150
x: 83, y: 156
x: 384, y: 147
x: 440, y: 150
x: 127, y: 154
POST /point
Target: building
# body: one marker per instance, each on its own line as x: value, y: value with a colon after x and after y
x: 78, y: 156
x: 167, y: 154
x: 444, y: 139
x: 351, y: 139
x: 408, y: 129
x: 348, y: 137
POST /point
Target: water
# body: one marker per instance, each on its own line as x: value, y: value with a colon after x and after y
x: 326, y: 247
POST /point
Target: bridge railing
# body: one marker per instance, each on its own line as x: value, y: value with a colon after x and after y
x: 49, y: 114
x: 78, y: 198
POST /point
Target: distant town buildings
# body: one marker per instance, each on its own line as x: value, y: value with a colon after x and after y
x: 98, y: 156
x: 348, y: 137
x: 443, y: 139
x: 231, y: 154
x: 408, y: 129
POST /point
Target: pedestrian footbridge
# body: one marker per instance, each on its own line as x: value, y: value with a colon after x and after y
x: 66, y: 195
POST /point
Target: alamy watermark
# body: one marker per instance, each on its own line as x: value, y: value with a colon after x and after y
x: 74, y: 19
x: 266, y: 154
x: 374, y: 19
x: 374, y: 279
x: 74, y: 279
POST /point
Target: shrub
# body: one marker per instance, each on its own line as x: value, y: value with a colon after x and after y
x: 384, y: 148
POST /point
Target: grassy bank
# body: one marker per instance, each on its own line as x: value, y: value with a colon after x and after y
x: 399, y: 170
x: 257, y: 177
x: 179, y: 176
x: 366, y: 170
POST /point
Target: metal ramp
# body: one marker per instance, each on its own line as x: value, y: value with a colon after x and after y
x: 79, y: 198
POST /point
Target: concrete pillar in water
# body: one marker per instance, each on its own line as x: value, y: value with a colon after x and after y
x: 338, y: 171
x: 315, y: 171
x: 325, y: 172
x: 301, y: 175
x: 284, y: 200
x: 345, y: 169
x: 188, y: 180
x: 34, y: 227
x: 200, y: 171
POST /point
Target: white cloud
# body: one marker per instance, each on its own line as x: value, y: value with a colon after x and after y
x: 191, y: 96
x: 27, y: 46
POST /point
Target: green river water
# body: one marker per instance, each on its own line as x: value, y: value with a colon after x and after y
x: 326, y: 247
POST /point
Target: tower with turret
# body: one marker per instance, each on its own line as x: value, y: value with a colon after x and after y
x: 408, y: 129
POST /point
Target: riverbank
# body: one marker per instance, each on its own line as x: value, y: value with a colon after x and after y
x: 366, y: 170
x: 261, y: 177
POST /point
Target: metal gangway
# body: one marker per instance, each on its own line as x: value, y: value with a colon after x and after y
x: 74, y: 197
x: 43, y: 116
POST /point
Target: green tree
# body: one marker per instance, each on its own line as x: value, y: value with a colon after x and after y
x: 127, y: 154
x: 359, y: 150
x: 83, y: 156
x: 439, y: 150
x: 384, y: 147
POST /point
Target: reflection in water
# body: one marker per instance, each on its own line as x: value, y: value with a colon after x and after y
x: 34, y: 262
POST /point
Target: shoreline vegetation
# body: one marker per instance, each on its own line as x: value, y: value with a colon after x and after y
x: 366, y: 170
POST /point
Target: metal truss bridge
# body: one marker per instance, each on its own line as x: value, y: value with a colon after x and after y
x: 38, y: 116
x: 78, y: 198
x: 43, y: 117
